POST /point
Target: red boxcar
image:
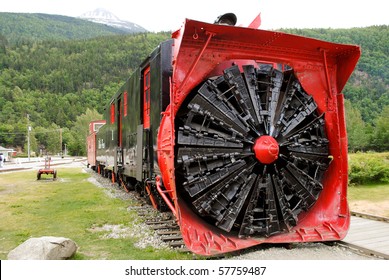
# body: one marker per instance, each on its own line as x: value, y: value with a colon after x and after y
x: 94, y: 126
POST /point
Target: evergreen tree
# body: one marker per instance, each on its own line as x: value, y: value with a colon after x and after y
x: 357, y: 133
x: 80, y: 131
x: 381, y: 131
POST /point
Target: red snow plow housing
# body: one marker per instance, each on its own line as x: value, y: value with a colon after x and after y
x: 253, y: 147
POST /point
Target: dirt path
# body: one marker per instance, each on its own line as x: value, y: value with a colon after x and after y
x: 374, y: 208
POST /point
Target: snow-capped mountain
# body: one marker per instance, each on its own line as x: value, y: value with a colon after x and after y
x: 106, y: 17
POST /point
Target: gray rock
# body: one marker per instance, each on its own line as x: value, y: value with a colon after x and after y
x: 44, y: 248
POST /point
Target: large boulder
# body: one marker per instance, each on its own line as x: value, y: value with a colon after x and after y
x: 44, y: 248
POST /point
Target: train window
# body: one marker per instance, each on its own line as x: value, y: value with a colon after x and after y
x: 125, y: 103
x: 112, y: 113
x: 96, y: 126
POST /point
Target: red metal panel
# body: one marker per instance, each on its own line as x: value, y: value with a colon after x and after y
x: 146, y: 98
x: 322, y: 69
x: 125, y: 104
x: 112, y: 112
x: 120, y: 120
x: 91, y: 142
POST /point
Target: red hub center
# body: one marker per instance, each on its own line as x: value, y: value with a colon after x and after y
x: 266, y: 149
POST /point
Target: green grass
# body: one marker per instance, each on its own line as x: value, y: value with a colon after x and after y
x: 69, y: 207
x: 370, y: 192
x: 369, y: 198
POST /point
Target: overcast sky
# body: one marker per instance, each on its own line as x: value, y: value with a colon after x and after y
x: 168, y: 15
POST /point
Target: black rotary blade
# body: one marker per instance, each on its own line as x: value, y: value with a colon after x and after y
x: 251, y: 150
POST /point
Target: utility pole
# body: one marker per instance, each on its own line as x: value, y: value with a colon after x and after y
x: 28, y: 136
x: 60, y: 142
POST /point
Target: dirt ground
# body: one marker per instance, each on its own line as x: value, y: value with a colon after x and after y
x: 374, y: 208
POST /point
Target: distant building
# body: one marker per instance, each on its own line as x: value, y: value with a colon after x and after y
x: 7, y: 153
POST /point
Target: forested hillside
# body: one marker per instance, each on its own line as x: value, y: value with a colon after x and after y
x: 41, y: 27
x: 55, y: 82
x: 62, y: 84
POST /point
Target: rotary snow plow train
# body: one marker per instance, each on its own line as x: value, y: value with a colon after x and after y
x: 240, y: 132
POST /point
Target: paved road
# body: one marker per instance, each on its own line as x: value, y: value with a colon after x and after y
x: 37, y: 163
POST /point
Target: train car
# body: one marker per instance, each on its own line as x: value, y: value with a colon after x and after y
x: 127, y: 143
x: 240, y: 132
x: 94, y: 126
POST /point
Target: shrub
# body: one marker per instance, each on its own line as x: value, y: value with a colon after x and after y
x: 369, y: 168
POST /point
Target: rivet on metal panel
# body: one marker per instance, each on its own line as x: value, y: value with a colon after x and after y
x: 330, y: 104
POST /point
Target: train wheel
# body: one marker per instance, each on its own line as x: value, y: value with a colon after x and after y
x: 130, y: 183
x: 251, y: 150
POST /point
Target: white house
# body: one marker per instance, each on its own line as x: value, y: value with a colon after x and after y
x: 7, y: 153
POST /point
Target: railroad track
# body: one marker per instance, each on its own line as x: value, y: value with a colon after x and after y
x: 164, y: 225
x: 20, y: 167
